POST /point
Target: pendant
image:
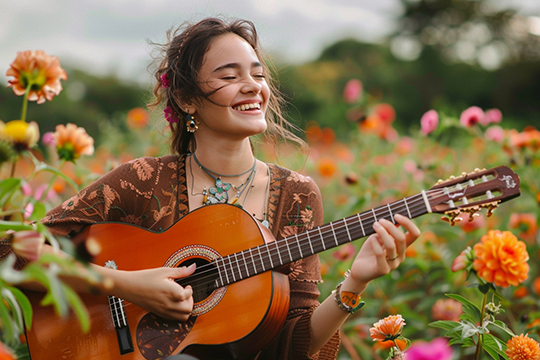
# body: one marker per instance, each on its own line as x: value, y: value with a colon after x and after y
x: 218, y: 194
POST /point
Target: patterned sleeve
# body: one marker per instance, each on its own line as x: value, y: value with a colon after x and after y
x: 300, y: 209
x: 126, y: 194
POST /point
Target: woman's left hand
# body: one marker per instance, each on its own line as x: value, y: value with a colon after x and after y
x: 382, y: 251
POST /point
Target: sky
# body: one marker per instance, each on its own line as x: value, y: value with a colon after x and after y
x: 113, y: 36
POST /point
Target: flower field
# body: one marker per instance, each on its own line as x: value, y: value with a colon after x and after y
x: 467, y: 291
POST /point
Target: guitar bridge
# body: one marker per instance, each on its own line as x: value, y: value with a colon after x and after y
x: 119, y: 318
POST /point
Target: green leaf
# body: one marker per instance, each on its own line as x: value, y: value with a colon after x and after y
x: 39, y: 211
x: 501, y: 325
x: 79, y: 308
x: 445, y: 324
x: 494, y: 347
x: 14, y: 225
x: 25, y: 305
x: 7, y: 188
x: 41, y: 166
x: 8, y: 330
x: 468, y: 307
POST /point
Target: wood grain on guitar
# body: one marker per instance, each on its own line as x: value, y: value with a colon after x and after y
x: 235, y: 259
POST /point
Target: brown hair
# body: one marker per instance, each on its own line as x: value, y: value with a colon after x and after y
x: 181, y: 59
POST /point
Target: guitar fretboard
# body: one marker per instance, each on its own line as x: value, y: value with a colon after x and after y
x: 256, y: 260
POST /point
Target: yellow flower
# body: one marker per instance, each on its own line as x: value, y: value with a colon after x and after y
x: 72, y: 142
x: 523, y: 347
x: 38, y: 70
x: 389, y: 328
x: 500, y: 258
x: 20, y: 134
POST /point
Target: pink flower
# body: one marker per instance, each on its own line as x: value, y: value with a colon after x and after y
x: 447, y: 309
x: 170, y: 115
x: 27, y: 243
x: 429, y: 122
x: 492, y: 116
x: 495, y: 133
x: 165, y: 82
x: 436, y: 349
x: 352, y: 91
x: 345, y: 252
x: 462, y: 261
x: 48, y: 139
x: 471, y: 116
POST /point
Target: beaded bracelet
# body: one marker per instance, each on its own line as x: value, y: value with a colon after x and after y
x: 347, y: 300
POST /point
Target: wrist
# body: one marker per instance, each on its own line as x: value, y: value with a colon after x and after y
x: 350, y: 284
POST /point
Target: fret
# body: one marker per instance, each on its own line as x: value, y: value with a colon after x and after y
x: 347, y: 228
x: 289, y: 250
x: 426, y: 202
x: 278, y: 253
x: 231, y: 269
x: 310, y: 243
x: 299, y: 246
x: 270, y: 257
x: 253, y: 261
x: 260, y: 256
x: 374, y: 215
x: 322, y: 238
x: 361, y: 225
x: 238, y: 267
x: 219, y: 271
x: 245, y: 263
x: 333, y: 232
x: 391, y: 215
x: 407, y: 206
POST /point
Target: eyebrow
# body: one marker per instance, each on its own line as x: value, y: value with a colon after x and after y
x: 235, y: 66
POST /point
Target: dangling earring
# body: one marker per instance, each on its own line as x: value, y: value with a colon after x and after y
x: 191, y: 123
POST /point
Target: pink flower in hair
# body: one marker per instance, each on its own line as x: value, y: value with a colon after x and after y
x: 165, y: 81
x: 170, y: 115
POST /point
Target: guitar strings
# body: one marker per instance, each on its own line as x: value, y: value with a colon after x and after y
x: 415, y: 203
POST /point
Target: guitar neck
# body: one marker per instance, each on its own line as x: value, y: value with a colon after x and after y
x: 256, y: 260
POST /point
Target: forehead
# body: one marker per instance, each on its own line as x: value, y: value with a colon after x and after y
x: 225, y: 49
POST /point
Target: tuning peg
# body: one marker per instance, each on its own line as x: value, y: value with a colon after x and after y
x: 440, y: 181
x: 452, y: 217
x: 464, y: 174
x: 490, y: 207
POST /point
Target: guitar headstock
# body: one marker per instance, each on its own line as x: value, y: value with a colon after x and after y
x: 469, y: 193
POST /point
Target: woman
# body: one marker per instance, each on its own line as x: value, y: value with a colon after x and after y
x: 216, y: 88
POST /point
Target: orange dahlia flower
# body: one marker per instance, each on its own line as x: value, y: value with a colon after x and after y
x: 389, y: 328
x: 38, y: 70
x: 447, y: 309
x: 72, y: 142
x: 523, y: 347
x: 500, y: 258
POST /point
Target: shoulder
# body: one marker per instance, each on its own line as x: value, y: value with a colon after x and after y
x: 293, y: 181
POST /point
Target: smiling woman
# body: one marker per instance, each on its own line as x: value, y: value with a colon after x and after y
x: 209, y: 279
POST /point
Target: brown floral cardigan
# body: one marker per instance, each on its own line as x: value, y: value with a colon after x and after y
x: 152, y: 193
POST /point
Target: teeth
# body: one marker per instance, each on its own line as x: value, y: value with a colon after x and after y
x: 248, y: 106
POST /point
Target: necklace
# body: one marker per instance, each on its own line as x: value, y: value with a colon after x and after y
x: 219, y: 193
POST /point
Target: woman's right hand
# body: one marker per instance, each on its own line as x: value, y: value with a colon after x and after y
x: 156, y: 291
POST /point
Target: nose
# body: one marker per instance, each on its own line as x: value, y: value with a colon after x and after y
x: 251, y: 85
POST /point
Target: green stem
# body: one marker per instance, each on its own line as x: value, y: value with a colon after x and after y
x: 25, y: 102
x: 480, y: 336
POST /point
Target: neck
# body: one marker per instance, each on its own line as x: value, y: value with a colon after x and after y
x: 226, y: 159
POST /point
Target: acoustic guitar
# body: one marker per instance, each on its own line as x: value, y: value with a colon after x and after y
x: 241, y: 301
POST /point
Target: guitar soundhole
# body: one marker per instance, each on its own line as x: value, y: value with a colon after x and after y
x: 202, y: 281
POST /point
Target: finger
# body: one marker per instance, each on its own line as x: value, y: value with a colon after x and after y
x: 412, y: 230
x: 378, y: 250
x: 387, y: 241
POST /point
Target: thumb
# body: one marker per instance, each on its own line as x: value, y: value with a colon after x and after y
x: 184, y: 271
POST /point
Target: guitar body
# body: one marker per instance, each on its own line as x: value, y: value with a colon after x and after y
x: 232, y: 322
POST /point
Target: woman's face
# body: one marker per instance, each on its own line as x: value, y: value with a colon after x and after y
x: 237, y: 110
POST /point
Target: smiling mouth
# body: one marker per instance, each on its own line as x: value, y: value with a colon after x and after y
x: 245, y: 107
